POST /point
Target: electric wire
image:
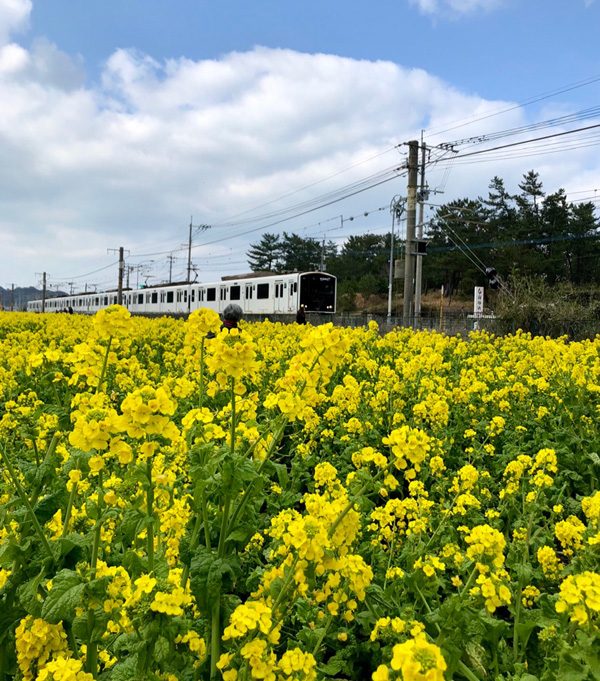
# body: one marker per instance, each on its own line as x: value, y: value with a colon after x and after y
x: 462, y: 122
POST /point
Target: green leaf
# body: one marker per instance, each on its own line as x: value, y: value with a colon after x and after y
x: 242, y: 533
x: 132, y: 524
x: 334, y: 666
x: 8, y: 553
x: 594, y: 457
x: 74, y: 545
x: 28, y: 595
x: 477, y: 657
x: 47, y: 507
x: 63, y: 597
x: 210, y: 576
x: 126, y: 670
x: 282, y: 475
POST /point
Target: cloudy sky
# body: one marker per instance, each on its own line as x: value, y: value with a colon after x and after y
x: 119, y: 121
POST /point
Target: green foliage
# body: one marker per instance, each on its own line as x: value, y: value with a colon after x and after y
x: 529, y: 234
x: 531, y: 305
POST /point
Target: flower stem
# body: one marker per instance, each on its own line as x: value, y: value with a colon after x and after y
x: 215, y: 638
x: 201, y: 398
x: 232, y: 432
x: 465, y: 671
x: 92, y: 646
x: 286, y: 583
x: 322, y: 636
x: 104, y: 365
x: 72, y: 494
x: 26, y: 503
x: 149, y: 511
x: 49, y: 453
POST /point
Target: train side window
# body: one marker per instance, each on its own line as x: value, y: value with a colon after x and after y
x: 140, y: 298
x: 185, y: 296
x: 211, y: 294
x: 295, y: 287
x: 248, y: 292
x: 163, y: 296
x: 223, y: 293
x: 193, y: 295
x: 235, y: 293
x: 200, y: 294
x: 154, y: 297
x: 262, y: 291
x: 169, y: 296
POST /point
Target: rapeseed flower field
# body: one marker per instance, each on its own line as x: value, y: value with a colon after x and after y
x: 295, y: 503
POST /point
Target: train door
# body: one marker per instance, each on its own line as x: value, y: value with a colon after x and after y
x: 222, y: 298
x: 292, y: 296
x: 279, y: 300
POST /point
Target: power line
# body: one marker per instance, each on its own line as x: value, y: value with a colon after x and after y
x: 584, y: 114
x: 87, y: 274
x: 529, y: 141
x: 352, y: 190
x: 461, y: 122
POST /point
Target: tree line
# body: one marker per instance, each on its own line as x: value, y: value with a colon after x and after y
x: 529, y: 233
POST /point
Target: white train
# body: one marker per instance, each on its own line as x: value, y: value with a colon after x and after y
x: 256, y: 295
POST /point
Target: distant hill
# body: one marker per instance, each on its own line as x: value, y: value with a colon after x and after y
x: 21, y: 296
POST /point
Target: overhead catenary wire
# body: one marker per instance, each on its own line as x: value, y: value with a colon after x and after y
x: 398, y: 172
x: 460, y: 123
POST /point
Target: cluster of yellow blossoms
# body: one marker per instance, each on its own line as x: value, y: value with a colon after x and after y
x: 39, y: 643
x: 580, y: 597
x: 357, y: 487
x: 413, y: 660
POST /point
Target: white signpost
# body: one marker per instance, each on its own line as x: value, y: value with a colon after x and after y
x: 478, y: 301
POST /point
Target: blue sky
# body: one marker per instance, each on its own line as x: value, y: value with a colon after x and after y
x: 507, y: 52
x: 119, y: 120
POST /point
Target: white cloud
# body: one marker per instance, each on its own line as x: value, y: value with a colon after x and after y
x: 456, y: 6
x: 125, y: 163
x: 14, y: 16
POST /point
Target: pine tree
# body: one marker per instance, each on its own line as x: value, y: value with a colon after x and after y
x: 265, y: 256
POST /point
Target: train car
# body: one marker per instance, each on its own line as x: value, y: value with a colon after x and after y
x: 275, y: 294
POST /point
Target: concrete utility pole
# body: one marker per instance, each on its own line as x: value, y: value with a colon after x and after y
x: 422, y: 197
x: 202, y: 228
x: 396, y: 209
x: 170, y: 258
x: 121, y: 272
x: 411, y: 220
x: 189, y: 266
x: 130, y: 269
x: 323, y: 255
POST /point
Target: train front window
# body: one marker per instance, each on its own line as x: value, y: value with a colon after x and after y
x: 317, y: 292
